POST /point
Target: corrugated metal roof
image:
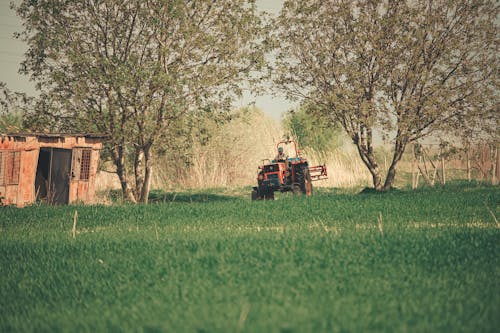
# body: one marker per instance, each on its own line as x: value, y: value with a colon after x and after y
x: 56, y: 135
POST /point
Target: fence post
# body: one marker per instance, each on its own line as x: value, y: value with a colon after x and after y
x: 413, y: 180
x: 498, y: 166
x: 467, y: 156
x: 494, y: 167
x: 443, y: 169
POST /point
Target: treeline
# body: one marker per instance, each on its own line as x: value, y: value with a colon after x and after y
x: 159, y: 77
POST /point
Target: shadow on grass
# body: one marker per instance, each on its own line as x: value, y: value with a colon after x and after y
x: 450, y: 186
x: 158, y: 196
x: 186, y: 197
x: 371, y: 190
x: 224, y: 195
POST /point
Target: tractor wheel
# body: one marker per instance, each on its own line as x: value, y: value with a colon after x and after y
x: 255, y: 195
x: 304, y: 180
x: 270, y: 196
x: 307, y: 187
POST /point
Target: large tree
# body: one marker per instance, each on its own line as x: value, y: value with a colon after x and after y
x: 404, y: 68
x: 133, y: 69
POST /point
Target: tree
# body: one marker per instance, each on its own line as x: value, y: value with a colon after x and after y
x: 312, y: 131
x: 406, y: 68
x: 135, y: 69
x: 12, y: 107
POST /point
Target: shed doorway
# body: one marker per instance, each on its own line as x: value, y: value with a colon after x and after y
x: 53, y: 175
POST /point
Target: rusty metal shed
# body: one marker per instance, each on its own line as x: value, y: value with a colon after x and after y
x: 55, y: 168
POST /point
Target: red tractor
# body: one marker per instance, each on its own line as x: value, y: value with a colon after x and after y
x: 286, y: 174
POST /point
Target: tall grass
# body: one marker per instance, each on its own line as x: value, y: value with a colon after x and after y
x: 231, y: 157
x: 233, y: 153
x: 345, y: 168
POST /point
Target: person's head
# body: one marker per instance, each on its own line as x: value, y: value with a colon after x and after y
x: 280, y: 150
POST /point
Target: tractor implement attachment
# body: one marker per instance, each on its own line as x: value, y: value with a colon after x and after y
x: 318, y: 172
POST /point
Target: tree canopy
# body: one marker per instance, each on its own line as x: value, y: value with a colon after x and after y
x: 134, y: 69
x: 12, y: 108
x: 312, y: 132
x: 407, y: 68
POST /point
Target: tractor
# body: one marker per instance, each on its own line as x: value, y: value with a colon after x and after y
x: 286, y: 174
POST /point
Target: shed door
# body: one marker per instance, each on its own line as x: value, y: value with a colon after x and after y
x: 53, y: 175
x: 60, y: 175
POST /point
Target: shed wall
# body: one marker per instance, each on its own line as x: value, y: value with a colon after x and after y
x: 24, y: 193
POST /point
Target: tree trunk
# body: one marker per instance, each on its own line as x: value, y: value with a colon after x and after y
x: 377, y: 178
x: 494, y: 167
x: 467, y: 156
x: 413, y: 168
x: 121, y: 171
x: 498, y: 166
x: 139, y: 171
x: 128, y: 194
x: 391, y: 173
x: 147, y: 175
x: 369, y: 160
x: 399, y: 149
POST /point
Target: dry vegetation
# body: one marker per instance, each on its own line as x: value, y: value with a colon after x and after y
x: 345, y: 168
x: 231, y: 156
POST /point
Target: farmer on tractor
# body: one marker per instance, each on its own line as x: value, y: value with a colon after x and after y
x: 281, y: 155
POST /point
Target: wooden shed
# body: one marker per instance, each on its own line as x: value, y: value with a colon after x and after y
x: 55, y: 168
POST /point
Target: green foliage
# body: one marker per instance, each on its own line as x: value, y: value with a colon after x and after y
x: 139, y: 72
x: 422, y: 261
x: 12, y: 108
x: 405, y: 68
x: 311, y: 130
x: 11, y: 122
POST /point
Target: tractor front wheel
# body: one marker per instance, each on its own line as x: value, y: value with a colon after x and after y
x: 296, y: 189
x: 260, y: 195
x: 270, y: 195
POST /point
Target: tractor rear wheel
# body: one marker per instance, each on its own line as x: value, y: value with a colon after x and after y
x: 307, y: 187
x: 304, y: 180
x: 255, y: 195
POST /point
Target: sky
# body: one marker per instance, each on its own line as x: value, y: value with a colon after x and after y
x: 12, y: 50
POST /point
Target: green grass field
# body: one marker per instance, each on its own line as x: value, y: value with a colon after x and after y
x: 422, y: 261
